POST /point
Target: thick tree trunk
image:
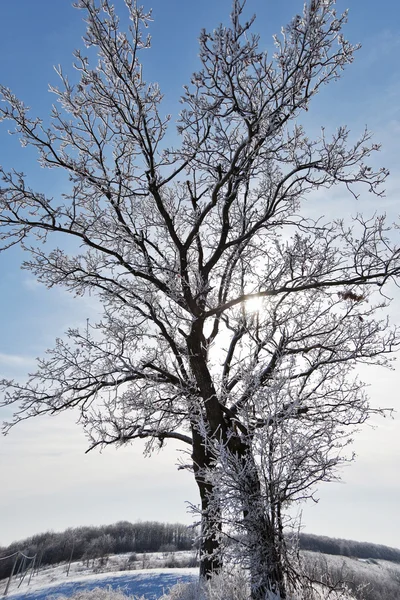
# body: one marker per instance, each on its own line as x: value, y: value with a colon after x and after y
x: 265, y: 559
x: 210, y: 555
x: 203, y: 457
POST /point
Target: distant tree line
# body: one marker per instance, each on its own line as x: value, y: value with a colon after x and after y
x: 88, y: 543
x: 327, y: 545
x: 97, y: 542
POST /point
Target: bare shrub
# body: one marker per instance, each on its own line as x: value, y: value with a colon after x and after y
x: 98, y: 594
x: 132, y: 558
x: 167, y: 549
x: 225, y: 586
x: 174, y: 562
x: 360, y: 580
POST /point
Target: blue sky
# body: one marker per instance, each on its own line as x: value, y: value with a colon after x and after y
x: 47, y: 481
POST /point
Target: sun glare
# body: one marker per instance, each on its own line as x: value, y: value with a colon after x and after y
x: 254, y: 305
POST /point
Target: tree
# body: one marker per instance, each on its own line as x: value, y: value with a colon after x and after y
x: 296, y: 427
x: 177, y: 242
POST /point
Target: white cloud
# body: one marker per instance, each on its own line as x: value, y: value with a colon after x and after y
x: 16, y: 360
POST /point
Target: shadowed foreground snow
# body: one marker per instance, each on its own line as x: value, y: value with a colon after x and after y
x: 149, y: 583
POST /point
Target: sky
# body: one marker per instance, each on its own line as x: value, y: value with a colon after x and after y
x: 47, y: 481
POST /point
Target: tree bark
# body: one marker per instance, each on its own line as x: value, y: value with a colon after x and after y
x: 211, y: 525
x: 263, y: 529
x: 266, y: 567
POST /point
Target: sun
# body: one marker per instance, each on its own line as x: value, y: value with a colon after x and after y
x: 254, y: 305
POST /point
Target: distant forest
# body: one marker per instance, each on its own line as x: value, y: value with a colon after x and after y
x: 86, y: 543
x: 89, y: 543
x: 320, y: 543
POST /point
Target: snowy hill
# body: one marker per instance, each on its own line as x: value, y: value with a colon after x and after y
x: 150, y: 583
x: 367, y: 579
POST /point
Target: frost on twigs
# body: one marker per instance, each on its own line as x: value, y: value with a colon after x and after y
x: 232, y: 322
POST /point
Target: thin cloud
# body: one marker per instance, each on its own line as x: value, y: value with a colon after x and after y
x: 16, y: 360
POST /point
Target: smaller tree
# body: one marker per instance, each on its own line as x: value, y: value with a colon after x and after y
x: 298, y: 418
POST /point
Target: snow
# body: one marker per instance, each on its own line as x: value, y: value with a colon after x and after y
x: 53, y: 582
x: 152, y: 583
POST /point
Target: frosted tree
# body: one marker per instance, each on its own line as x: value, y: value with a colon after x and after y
x: 179, y: 243
x: 294, y: 428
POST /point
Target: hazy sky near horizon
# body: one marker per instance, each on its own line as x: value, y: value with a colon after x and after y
x: 46, y: 480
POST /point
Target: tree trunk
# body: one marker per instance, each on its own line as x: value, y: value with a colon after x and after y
x: 264, y: 550
x: 264, y: 540
x: 203, y: 456
x: 266, y: 571
x: 211, y: 527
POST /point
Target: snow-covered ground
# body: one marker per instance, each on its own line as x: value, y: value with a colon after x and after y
x: 149, y: 582
x: 152, y: 583
x: 375, y: 579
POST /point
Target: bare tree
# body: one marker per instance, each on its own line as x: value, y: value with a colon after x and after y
x: 295, y: 428
x: 177, y: 243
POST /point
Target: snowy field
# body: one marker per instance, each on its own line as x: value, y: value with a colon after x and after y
x: 122, y: 573
x: 148, y: 582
